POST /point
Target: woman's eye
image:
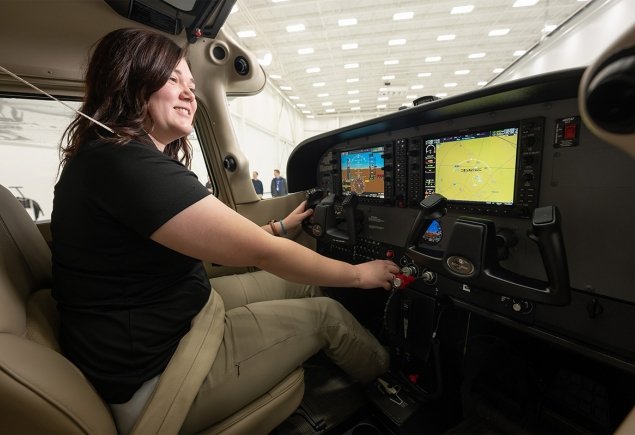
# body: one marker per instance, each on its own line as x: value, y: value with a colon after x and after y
x: 173, y: 79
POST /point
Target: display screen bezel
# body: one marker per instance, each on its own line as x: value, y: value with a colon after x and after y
x: 375, y: 149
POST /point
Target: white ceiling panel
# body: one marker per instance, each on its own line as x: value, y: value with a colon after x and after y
x: 413, y: 65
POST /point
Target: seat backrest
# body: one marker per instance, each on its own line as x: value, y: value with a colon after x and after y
x: 40, y: 390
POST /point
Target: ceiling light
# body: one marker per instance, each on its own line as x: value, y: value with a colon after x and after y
x: 433, y: 58
x: 498, y: 32
x: 266, y: 59
x: 351, y: 65
x: 426, y: 74
x: 291, y: 28
x: 353, y: 92
x: 235, y: 9
x: 391, y: 62
x: 476, y: 55
x: 330, y: 110
x: 285, y: 88
x: 306, y: 111
x: 300, y: 105
x: 498, y: 70
x: 314, y: 69
x: 403, y: 16
x: 549, y: 28
x: 353, y: 80
x: 327, y: 103
x: 349, y: 46
x: 382, y: 99
x: 318, y: 84
x: 307, y: 50
x: 448, y: 37
x: 383, y: 89
x: 356, y: 108
x: 441, y: 94
x: 310, y: 116
x: 246, y: 34
x: 381, y: 106
x: 462, y: 9
x: 353, y: 101
x: 390, y: 77
x: 481, y: 83
x: 462, y: 72
x: 294, y: 97
x: 278, y: 1
x: 416, y: 87
x: 398, y: 41
x: 523, y: 3
x: 411, y: 97
x: 275, y: 76
x: 450, y: 85
x: 347, y: 22
x: 518, y: 53
x: 322, y: 95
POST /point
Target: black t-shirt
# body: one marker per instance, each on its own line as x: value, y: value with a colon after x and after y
x: 125, y: 301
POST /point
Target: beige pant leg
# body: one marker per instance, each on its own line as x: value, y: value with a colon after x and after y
x: 264, y: 341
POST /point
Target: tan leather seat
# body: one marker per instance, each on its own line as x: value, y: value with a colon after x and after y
x: 43, y: 392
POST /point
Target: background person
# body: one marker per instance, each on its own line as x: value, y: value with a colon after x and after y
x: 258, y: 187
x: 278, y: 184
x: 127, y: 271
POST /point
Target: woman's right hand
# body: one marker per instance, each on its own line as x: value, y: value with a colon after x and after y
x: 376, y: 273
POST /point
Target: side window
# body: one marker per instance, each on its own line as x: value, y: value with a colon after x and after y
x: 30, y: 132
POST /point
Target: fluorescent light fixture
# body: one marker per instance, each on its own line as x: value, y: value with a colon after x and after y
x: 323, y: 95
x: 342, y: 22
x: 307, y: 50
x: 278, y: 1
x: 450, y: 85
x: 294, y: 97
x: 285, y: 88
x: 319, y: 84
x: 549, y: 28
x: 390, y: 77
x: 353, y: 92
x: 448, y: 37
x: 477, y: 55
x: 381, y: 106
x: 461, y: 72
x: 327, y: 103
x: 433, y: 59
x: 351, y: 65
x: 382, y: 99
x: 462, y: 9
x: 353, y: 101
x: 350, y: 46
x: 246, y: 34
x: 314, y: 69
x: 310, y: 116
x: 300, y: 105
x: 524, y: 3
x: 441, y: 94
x: 411, y: 97
x: 498, y: 70
x: 291, y: 28
x: 306, y: 111
x: 519, y: 53
x: 356, y: 108
x: 383, y: 89
x: 498, y: 32
x: 482, y: 83
x: 398, y: 41
x: 391, y: 62
x: 353, y: 80
x: 426, y: 74
x: 266, y: 59
x: 416, y: 87
x: 330, y: 110
x: 275, y: 76
x: 403, y: 16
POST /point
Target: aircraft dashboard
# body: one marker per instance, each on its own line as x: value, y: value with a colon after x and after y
x: 500, y: 200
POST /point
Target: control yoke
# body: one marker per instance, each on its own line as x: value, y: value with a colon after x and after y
x: 333, y: 220
x: 471, y: 254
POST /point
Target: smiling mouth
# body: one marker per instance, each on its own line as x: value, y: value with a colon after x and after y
x: 182, y: 109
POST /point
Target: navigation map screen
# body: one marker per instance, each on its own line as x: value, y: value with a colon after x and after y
x: 362, y: 172
x: 475, y: 166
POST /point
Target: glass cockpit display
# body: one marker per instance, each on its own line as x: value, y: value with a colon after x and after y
x: 478, y: 166
x: 362, y: 172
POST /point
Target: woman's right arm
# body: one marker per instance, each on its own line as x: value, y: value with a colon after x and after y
x: 211, y: 231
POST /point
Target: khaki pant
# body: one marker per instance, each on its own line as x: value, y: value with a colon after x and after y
x: 271, y: 327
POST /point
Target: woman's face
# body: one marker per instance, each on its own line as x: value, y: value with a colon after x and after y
x: 172, y: 107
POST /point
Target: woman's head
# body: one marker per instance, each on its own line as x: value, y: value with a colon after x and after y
x: 124, y: 84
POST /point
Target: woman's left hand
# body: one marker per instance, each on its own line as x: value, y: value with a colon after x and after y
x: 295, y: 218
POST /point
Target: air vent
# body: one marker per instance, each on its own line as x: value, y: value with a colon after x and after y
x: 143, y: 14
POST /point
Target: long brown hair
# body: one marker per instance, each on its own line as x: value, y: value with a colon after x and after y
x: 126, y: 67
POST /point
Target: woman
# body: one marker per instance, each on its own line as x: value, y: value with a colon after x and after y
x: 131, y: 225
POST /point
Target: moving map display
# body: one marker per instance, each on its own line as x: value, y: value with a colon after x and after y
x: 477, y: 166
x: 362, y: 172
